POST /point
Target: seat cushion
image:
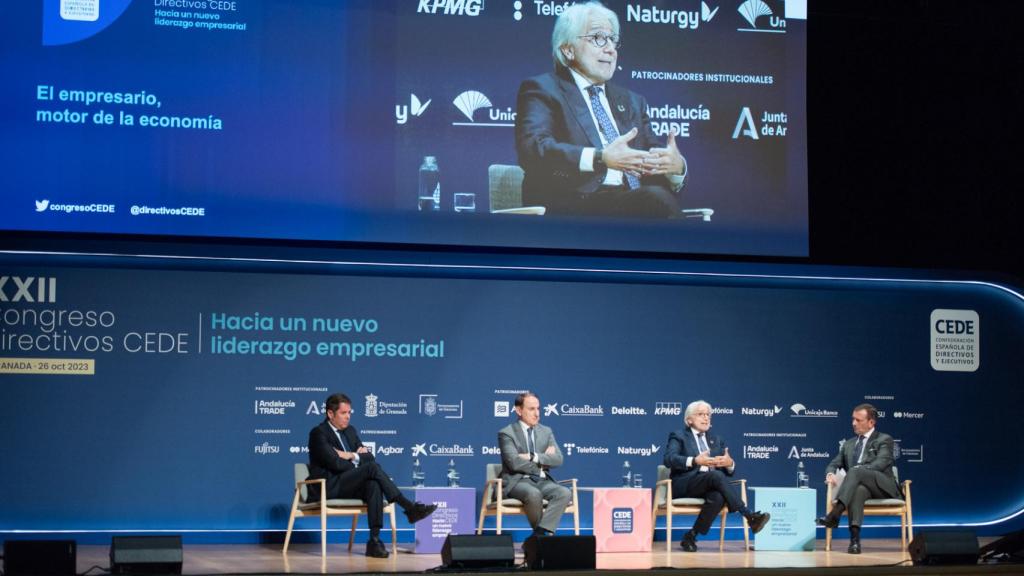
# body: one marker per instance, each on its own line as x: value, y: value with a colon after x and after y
x: 687, y: 501
x: 884, y: 502
x: 335, y: 503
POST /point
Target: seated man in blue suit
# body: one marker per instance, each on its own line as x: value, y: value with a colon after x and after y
x: 337, y: 455
x: 701, y: 467
x: 587, y: 146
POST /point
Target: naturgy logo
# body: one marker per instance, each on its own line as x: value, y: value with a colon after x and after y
x: 30, y: 289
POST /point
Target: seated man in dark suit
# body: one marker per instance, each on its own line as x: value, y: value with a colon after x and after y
x: 587, y: 146
x: 701, y: 467
x: 867, y: 459
x: 337, y: 454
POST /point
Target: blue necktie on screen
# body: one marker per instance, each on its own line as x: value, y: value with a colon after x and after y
x: 858, y: 449
x: 701, y: 443
x: 608, y: 127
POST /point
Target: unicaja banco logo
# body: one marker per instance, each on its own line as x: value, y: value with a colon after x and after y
x: 470, y: 101
x: 751, y: 10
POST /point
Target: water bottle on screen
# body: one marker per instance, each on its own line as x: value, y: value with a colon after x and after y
x: 801, y: 475
x: 418, y: 477
x: 453, y: 474
x: 627, y: 475
x: 429, y: 185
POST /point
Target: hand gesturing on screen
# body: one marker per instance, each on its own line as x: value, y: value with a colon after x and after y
x: 665, y: 160
x: 619, y: 156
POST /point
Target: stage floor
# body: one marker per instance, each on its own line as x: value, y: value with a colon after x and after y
x: 305, y: 558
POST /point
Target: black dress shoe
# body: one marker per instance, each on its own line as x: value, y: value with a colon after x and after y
x: 757, y: 520
x: 419, y: 511
x: 827, y: 522
x: 376, y: 549
x: 688, y: 544
x: 854, y: 547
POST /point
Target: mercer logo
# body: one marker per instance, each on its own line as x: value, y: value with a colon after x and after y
x: 30, y: 289
x: 451, y: 7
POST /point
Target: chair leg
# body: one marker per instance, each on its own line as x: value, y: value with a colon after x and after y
x: 498, y: 520
x: 291, y: 522
x: 394, y: 532
x: 746, y: 535
x: 352, y: 532
x: 668, y: 530
x: 721, y: 530
x: 576, y: 520
x: 323, y: 531
x: 828, y: 539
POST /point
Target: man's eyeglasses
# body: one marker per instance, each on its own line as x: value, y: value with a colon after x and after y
x: 602, y: 40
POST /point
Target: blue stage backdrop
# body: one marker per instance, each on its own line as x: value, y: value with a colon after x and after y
x: 146, y: 398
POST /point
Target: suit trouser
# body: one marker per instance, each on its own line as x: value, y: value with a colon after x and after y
x: 369, y: 483
x: 533, y: 493
x: 714, y: 487
x: 860, y: 485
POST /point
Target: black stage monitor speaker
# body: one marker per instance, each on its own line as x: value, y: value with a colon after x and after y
x: 944, y: 547
x: 39, y: 557
x: 1009, y: 548
x: 145, y: 555
x: 560, y: 552
x: 478, y: 551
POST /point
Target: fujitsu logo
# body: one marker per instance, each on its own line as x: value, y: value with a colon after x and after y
x: 30, y: 289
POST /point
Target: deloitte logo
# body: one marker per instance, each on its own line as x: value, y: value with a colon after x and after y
x: 470, y: 101
x: 628, y: 411
x: 800, y: 411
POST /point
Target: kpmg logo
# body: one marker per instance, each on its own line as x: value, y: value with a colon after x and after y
x: 415, y: 107
x: 752, y: 10
x: 470, y: 101
x: 668, y: 408
x: 267, y: 448
x: 682, y: 19
x: 572, y: 448
x: 502, y: 409
x: 28, y: 289
x: 451, y: 7
x: 272, y: 407
x: 766, y: 412
x: 642, y: 451
x: 42, y: 205
x: 374, y: 407
x: 800, y: 411
x: 430, y: 406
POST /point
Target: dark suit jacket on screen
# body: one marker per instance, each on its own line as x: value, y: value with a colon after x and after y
x: 682, y: 446
x: 553, y: 125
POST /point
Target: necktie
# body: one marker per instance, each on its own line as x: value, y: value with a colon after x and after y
x: 701, y: 443
x: 608, y: 127
x: 858, y: 448
x: 344, y: 446
x: 530, y: 444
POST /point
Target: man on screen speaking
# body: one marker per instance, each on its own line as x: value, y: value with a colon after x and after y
x: 586, y: 145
